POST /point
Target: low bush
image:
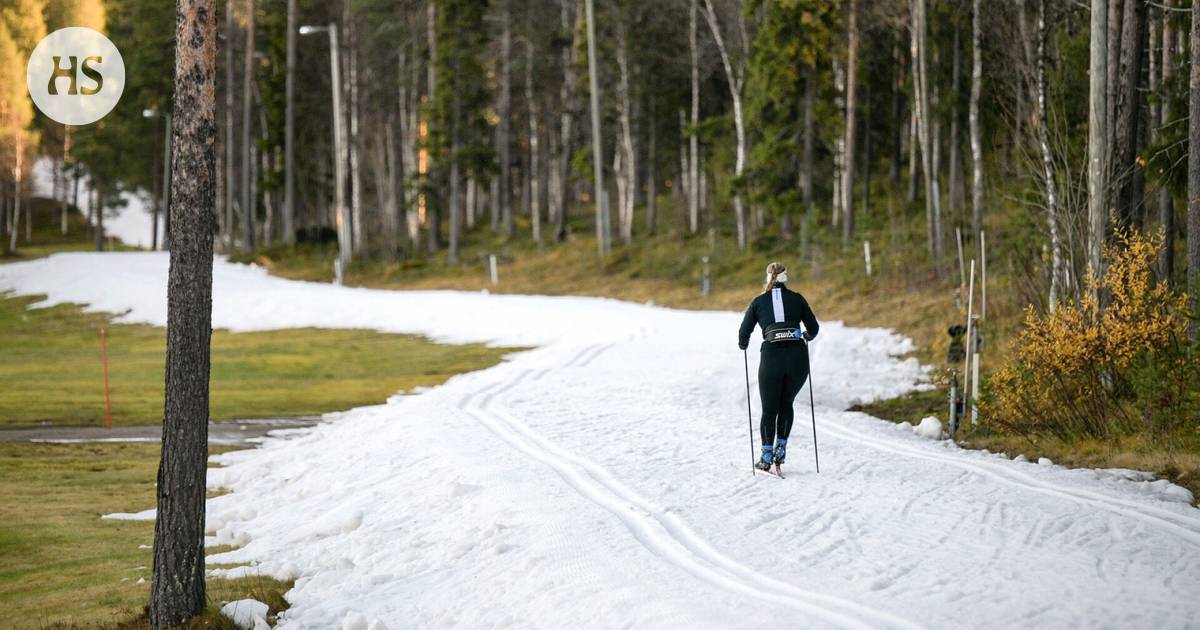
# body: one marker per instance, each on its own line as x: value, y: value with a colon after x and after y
x: 1082, y: 370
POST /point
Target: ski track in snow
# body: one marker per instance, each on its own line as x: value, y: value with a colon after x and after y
x: 602, y: 479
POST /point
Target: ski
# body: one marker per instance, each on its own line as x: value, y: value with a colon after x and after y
x: 770, y: 473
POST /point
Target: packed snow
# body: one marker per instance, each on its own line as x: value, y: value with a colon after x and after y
x: 248, y: 614
x: 602, y: 479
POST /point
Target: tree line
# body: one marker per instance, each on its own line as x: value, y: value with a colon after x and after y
x: 754, y: 119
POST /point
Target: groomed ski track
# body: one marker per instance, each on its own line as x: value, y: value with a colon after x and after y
x: 602, y: 479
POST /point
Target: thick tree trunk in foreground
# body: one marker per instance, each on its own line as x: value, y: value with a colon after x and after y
x: 177, y: 587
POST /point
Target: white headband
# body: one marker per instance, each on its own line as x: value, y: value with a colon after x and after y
x: 781, y: 278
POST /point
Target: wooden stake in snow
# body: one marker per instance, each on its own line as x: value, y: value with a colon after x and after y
x: 970, y: 338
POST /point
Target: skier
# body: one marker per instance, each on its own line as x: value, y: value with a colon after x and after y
x: 783, y: 358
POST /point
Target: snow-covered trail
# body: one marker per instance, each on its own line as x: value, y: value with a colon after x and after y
x: 602, y: 479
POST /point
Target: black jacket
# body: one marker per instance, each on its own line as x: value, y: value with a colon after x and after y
x: 762, y: 312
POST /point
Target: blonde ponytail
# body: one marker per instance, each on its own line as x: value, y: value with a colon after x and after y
x: 774, y: 272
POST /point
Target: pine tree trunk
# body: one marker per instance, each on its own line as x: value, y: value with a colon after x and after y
x: 806, y: 157
x: 505, y: 113
x: 851, y: 116
x: 247, y: 138
x: 567, y: 96
x: 1166, y: 204
x: 177, y: 586
x: 651, y: 173
x: 1127, y: 114
x: 230, y: 145
x: 357, y: 220
x: 289, y: 153
x: 693, y: 177
x: 1193, y: 217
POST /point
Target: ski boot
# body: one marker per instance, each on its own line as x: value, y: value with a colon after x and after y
x: 780, y: 451
x: 768, y: 458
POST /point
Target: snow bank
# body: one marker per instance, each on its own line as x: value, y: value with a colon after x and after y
x: 930, y: 428
x: 249, y: 614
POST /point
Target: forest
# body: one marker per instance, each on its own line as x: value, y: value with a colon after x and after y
x: 402, y: 135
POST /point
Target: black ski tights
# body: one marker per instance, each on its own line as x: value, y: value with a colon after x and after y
x: 782, y: 370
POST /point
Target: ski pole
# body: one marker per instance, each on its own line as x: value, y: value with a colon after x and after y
x: 812, y: 409
x: 749, y: 419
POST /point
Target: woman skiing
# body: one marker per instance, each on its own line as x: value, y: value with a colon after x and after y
x: 783, y: 363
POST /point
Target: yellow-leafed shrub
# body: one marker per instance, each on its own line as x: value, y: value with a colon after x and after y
x: 1083, y: 370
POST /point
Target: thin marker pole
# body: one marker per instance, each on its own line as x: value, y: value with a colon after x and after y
x: 104, y: 358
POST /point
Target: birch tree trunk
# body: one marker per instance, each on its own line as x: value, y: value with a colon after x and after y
x: 735, y: 78
x: 973, y: 122
x: 597, y: 139
x: 535, y: 201
x: 177, y: 591
x: 851, y: 115
x: 15, y: 224
x: 921, y: 110
x: 357, y: 220
x: 628, y: 171
x: 1043, y: 137
x: 408, y: 93
x: 247, y: 138
x: 432, y: 224
x: 1097, y: 173
x: 956, y: 170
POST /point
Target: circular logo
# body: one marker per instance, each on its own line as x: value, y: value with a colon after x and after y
x: 75, y: 75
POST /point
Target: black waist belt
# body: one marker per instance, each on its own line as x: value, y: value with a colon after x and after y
x: 784, y: 332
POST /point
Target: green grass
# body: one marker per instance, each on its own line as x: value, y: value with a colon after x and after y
x: 53, y: 372
x: 63, y: 567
